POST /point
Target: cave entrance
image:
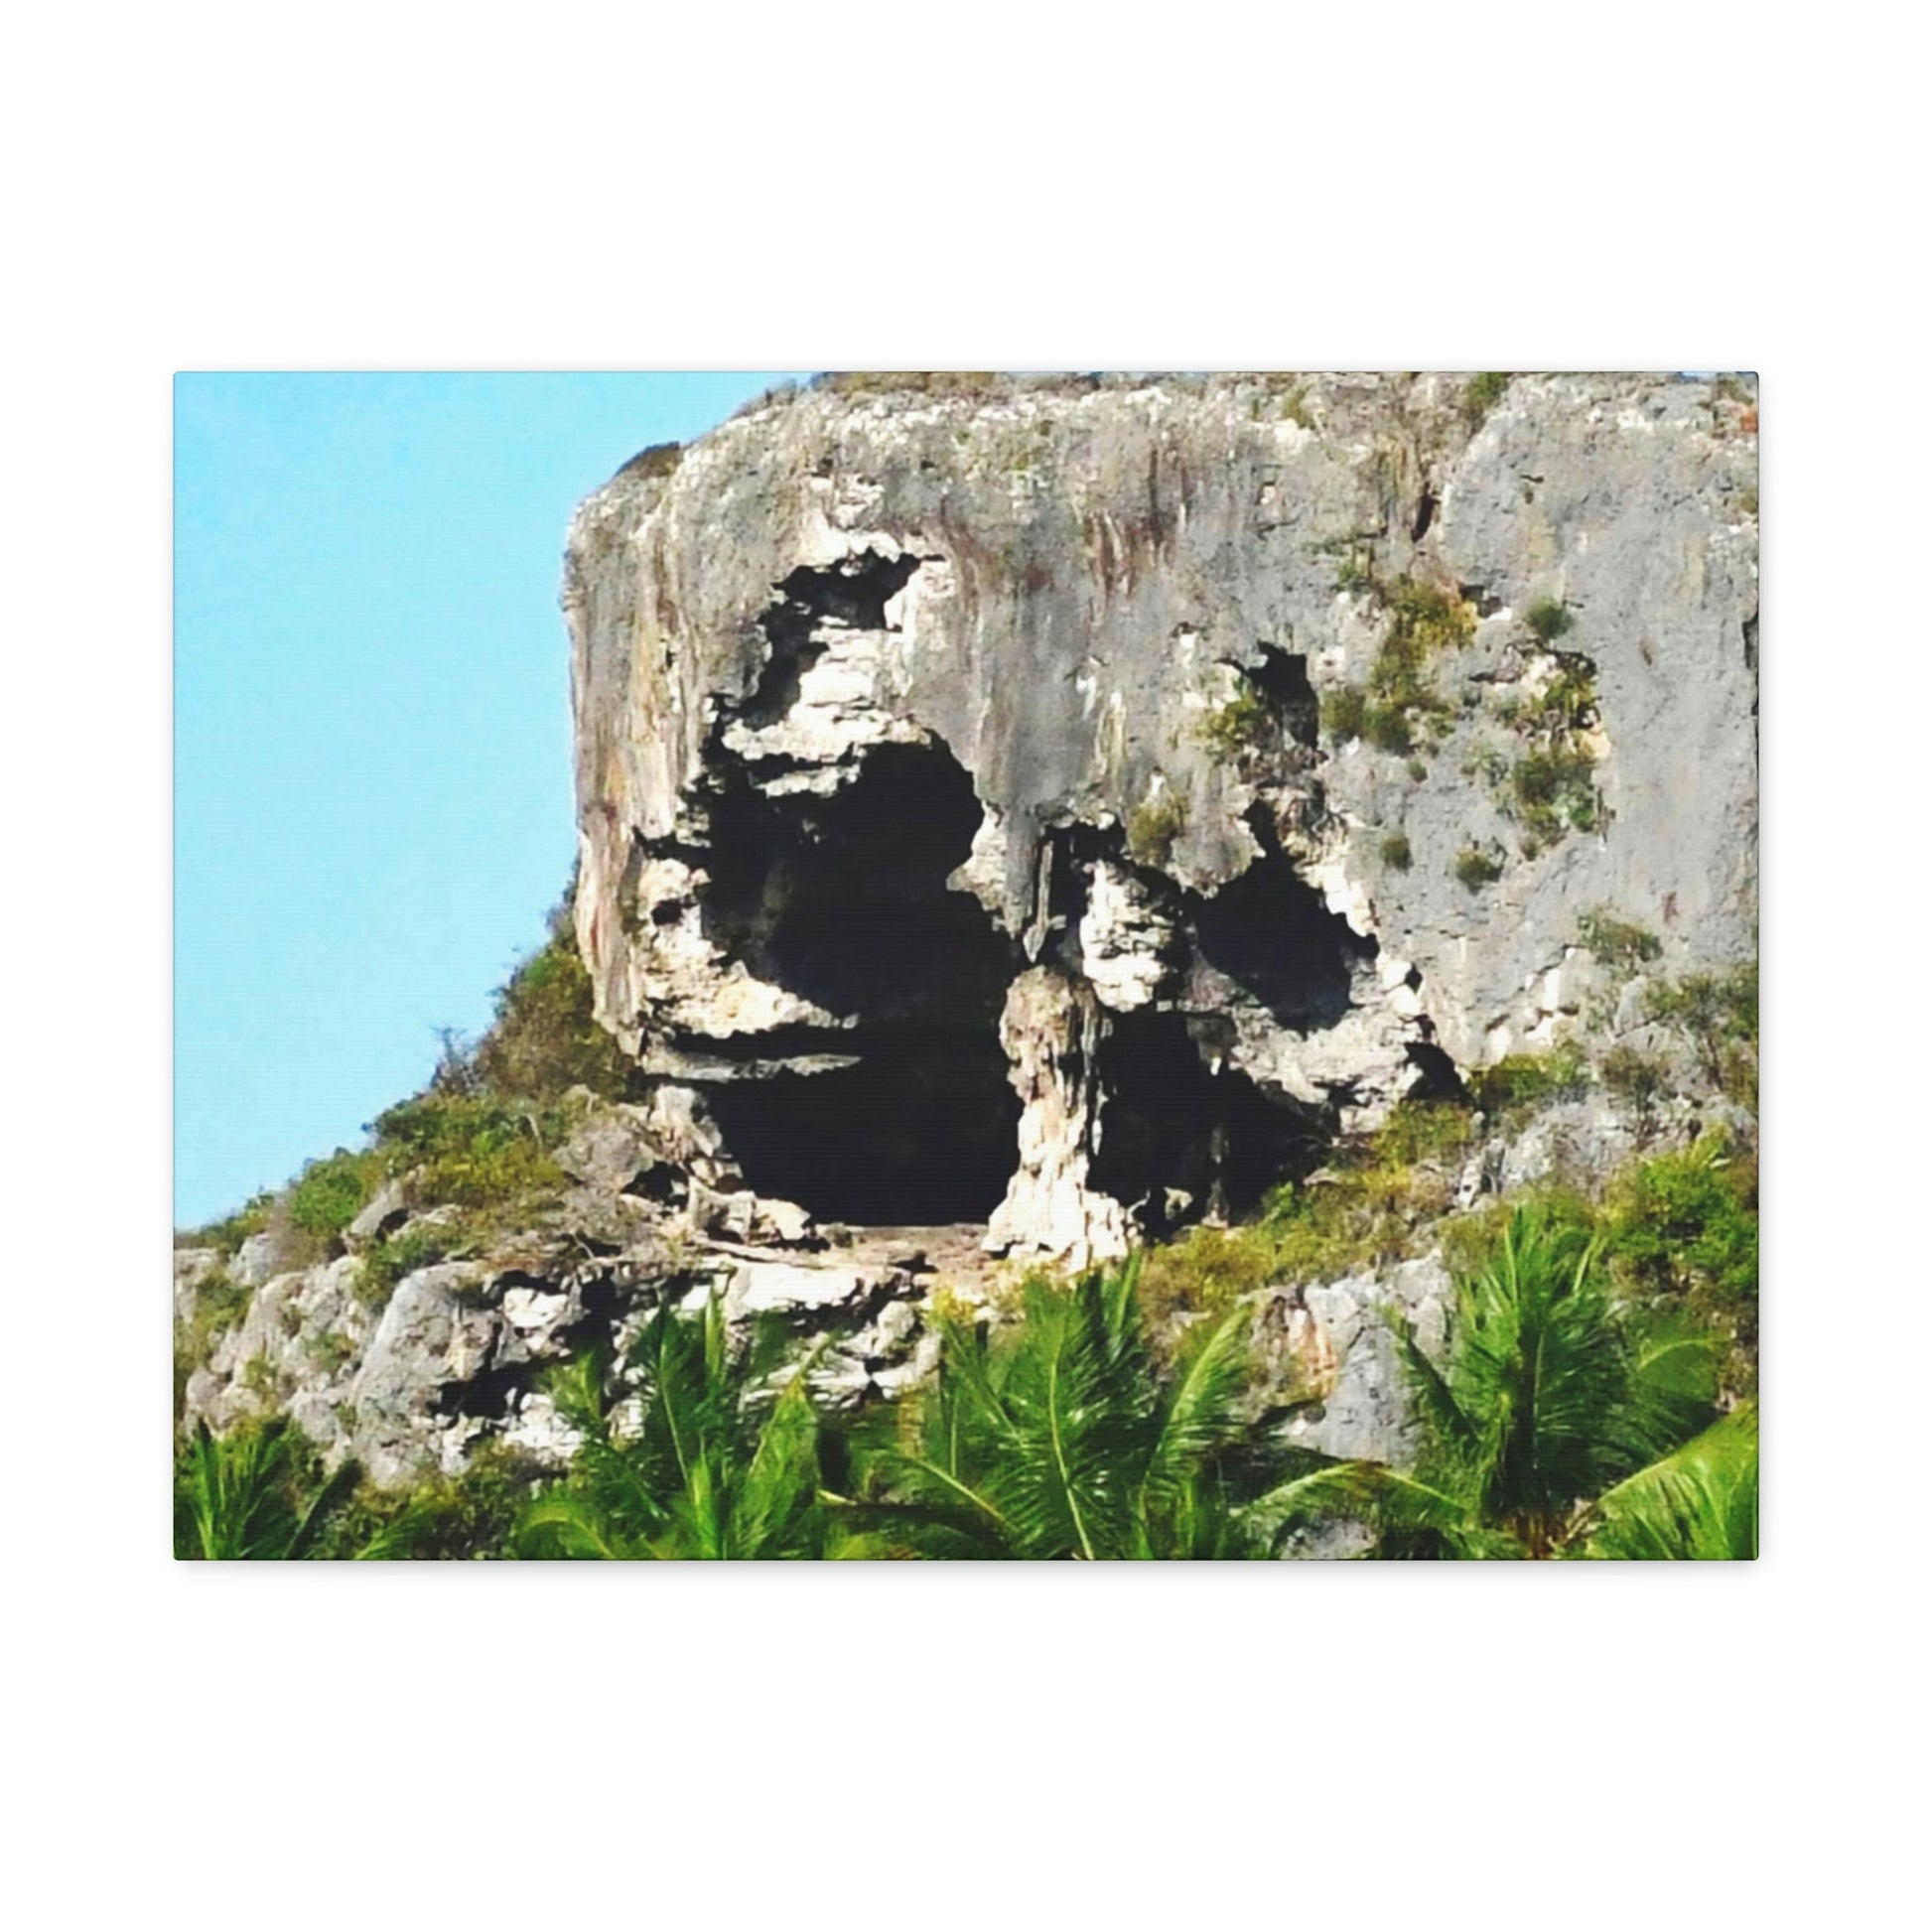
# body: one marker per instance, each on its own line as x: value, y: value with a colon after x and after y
x: 1180, y: 1138
x: 920, y: 1132
x: 843, y: 901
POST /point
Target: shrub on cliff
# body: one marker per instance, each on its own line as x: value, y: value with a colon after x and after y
x: 544, y: 1037
x: 1556, y: 1412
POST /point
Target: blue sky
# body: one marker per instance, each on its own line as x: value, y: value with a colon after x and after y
x: 372, y: 793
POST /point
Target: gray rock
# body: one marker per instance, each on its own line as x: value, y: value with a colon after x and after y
x: 383, y: 1215
x: 1078, y: 633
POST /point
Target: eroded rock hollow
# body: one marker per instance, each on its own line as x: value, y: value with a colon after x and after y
x: 1063, y: 806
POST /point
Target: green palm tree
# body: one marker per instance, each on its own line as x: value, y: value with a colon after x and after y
x: 1059, y: 1437
x: 253, y: 1495
x: 1553, y: 1394
x: 714, y: 1464
x: 1699, y: 1502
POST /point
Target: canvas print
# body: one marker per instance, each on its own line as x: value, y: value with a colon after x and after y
x: 1145, y: 966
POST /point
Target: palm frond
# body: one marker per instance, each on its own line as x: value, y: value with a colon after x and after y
x: 1699, y: 1503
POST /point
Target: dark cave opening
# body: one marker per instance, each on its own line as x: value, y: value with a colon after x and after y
x: 920, y: 1132
x: 1282, y: 681
x: 1272, y: 932
x: 843, y: 901
x: 1180, y: 1139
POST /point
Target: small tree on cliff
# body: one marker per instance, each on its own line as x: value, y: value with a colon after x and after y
x: 1560, y: 1425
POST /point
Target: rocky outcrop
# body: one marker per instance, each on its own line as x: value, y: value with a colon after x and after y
x: 1028, y: 819
x: 1064, y: 805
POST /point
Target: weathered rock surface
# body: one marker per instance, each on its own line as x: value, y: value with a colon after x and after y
x: 955, y: 817
x: 964, y: 860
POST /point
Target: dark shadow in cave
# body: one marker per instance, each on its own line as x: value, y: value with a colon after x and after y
x: 843, y: 901
x: 1170, y: 1122
x: 1282, y: 681
x: 1436, y: 1078
x: 1272, y: 932
x: 920, y: 1132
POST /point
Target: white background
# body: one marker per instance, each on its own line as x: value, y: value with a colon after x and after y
x: 494, y: 188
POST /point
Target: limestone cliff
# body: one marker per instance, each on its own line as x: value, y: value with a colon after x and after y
x: 1028, y: 817
x: 1065, y: 804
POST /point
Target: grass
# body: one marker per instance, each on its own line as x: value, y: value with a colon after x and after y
x: 472, y: 1149
x: 1481, y: 395
x: 1549, y: 619
x: 1517, y: 1085
x: 1154, y: 825
x: 1639, y: 1081
x: 329, y: 1194
x: 1400, y: 706
x: 1550, y: 792
x: 928, y: 382
x: 331, y: 1351
x: 1612, y: 941
x: 1240, y: 728
x: 1363, y: 1208
x: 544, y: 1037
x: 1396, y: 852
x: 659, y: 460
x: 1716, y: 1013
x: 1344, y: 712
x: 1475, y: 867
x: 220, y: 1303
x: 1682, y: 1226
x: 411, y: 1248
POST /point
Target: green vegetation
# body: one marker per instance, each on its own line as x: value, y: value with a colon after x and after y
x: 928, y: 382
x: 327, y: 1194
x: 257, y: 1494
x: 1639, y: 1081
x: 1524, y: 1081
x: 544, y: 1038
x: 1550, y: 792
x: 1154, y: 825
x: 1355, y: 573
x: 1400, y: 706
x: 391, y: 1259
x: 470, y: 1516
x: 480, y: 1135
x: 1682, y: 1227
x: 1344, y: 712
x: 1699, y: 1503
x: 1550, y: 619
x: 1364, y: 1207
x: 230, y: 1232
x: 707, y: 1471
x: 1574, y: 1412
x: 1552, y: 789
x: 1716, y: 1012
x: 1423, y: 621
x: 1481, y: 395
x: 1560, y: 1424
x: 220, y: 1303
x: 1612, y: 941
x: 1060, y: 1435
x: 1241, y: 726
x: 331, y: 1351
x: 1395, y: 854
x: 1475, y: 867
x: 659, y: 460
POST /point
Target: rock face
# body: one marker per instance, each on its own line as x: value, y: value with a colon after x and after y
x: 1063, y: 805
